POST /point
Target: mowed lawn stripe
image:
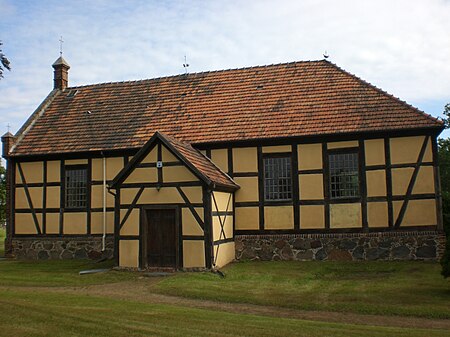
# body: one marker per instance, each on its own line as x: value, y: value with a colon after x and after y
x: 41, y: 313
x: 384, y: 288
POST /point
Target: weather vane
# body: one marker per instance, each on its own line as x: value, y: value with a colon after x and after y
x: 61, y: 41
x: 325, y: 55
x: 185, y: 64
x: 9, y: 127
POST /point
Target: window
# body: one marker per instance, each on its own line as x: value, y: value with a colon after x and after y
x: 277, y: 178
x: 76, y: 187
x: 344, y: 179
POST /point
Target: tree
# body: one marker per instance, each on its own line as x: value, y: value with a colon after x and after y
x: 4, y: 62
x: 444, y: 166
x: 2, y: 194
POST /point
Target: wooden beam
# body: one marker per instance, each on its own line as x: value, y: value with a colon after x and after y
x: 30, y: 202
x: 191, y: 207
x: 411, y: 184
x: 132, y: 206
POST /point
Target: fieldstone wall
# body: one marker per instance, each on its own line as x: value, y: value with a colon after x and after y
x: 414, y: 245
x: 62, y: 248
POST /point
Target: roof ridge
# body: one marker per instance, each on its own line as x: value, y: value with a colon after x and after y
x: 195, y: 73
x: 404, y: 103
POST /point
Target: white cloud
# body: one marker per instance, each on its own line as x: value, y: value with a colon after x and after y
x: 402, y: 46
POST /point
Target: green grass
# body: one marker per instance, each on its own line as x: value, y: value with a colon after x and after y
x: 385, y: 288
x: 2, y: 241
x: 45, y: 314
x: 57, y: 273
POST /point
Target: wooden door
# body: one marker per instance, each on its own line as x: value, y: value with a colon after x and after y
x: 161, y: 238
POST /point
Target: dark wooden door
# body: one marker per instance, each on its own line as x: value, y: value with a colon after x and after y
x: 161, y: 238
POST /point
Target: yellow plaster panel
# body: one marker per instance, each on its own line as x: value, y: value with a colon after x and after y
x: 311, y: 186
x: 129, y: 253
x: 143, y: 175
x: 190, y: 224
x: 341, y: 145
x: 152, y: 156
x: 131, y: 226
x: 18, y: 177
x: 97, y: 197
x: 405, y: 150
x: 167, y: 155
x: 376, y: 183
x: 345, y: 215
x: 127, y: 195
x: 220, y: 158
x: 279, y: 217
x: 424, y: 181
x: 33, y: 172
x: 52, y: 223
x: 97, y: 169
x: 53, y: 195
x: 113, y: 167
x: 21, y: 200
x: 312, y: 217
x: 277, y: 149
x: 166, y: 195
x: 193, y: 193
x: 418, y: 212
x: 377, y: 214
x: 24, y: 223
x: 225, y: 254
x: 374, y: 149
x: 400, y: 180
x: 53, y: 171
x: 193, y: 254
x: 245, y: 159
x: 309, y: 156
x: 228, y: 227
x: 97, y: 222
x: 76, y: 162
x: 177, y: 174
x: 75, y: 223
x: 223, y: 200
x: 247, y: 218
x: 248, y: 190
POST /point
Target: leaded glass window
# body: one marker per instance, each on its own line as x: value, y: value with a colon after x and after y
x: 76, y: 187
x: 277, y: 178
x: 344, y: 177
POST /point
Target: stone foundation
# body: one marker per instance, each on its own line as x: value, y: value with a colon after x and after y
x: 59, y: 248
x: 415, y: 245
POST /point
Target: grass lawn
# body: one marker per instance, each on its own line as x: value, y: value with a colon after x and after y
x: 46, y: 314
x: 33, y: 306
x: 2, y: 242
x: 57, y: 273
x: 384, y: 288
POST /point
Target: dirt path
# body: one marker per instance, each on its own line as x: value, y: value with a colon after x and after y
x: 141, y: 291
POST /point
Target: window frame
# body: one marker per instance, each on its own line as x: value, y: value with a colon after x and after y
x: 343, y: 151
x: 84, y: 167
x: 273, y: 156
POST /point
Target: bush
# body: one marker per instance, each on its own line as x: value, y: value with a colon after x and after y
x: 445, y: 262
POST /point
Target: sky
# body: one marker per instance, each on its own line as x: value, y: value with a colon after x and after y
x: 401, y: 46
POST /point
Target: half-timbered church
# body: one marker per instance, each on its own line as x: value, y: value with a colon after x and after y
x: 294, y: 161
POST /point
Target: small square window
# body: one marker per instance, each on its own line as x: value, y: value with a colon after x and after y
x: 277, y: 178
x: 344, y: 176
x: 76, y: 187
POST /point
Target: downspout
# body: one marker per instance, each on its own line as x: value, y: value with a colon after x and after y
x: 104, y: 204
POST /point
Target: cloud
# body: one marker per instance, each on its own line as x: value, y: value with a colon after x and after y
x: 400, y: 46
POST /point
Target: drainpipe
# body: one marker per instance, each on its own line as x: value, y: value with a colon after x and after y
x: 104, y: 204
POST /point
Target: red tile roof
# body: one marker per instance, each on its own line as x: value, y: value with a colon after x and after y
x: 285, y: 100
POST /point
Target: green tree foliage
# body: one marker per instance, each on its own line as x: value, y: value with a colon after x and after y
x: 444, y: 165
x: 4, y: 62
x: 2, y: 194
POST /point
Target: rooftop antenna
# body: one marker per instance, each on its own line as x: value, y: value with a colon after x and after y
x: 185, y: 65
x: 325, y: 55
x: 61, y: 41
